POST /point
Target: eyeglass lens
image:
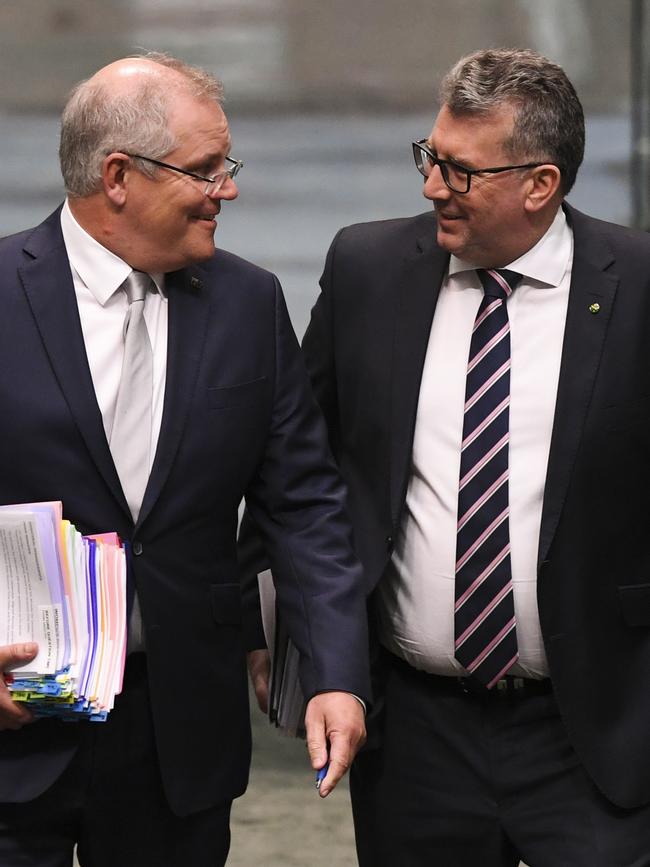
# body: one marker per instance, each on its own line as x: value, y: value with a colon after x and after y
x: 455, y: 177
x: 220, y: 179
x: 214, y: 186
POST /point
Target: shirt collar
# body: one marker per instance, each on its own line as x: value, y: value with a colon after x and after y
x: 101, y: 271
x: 546, y: 262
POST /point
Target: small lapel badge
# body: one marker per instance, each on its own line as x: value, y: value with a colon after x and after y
x: 195, y: 283
x: 594, y: 308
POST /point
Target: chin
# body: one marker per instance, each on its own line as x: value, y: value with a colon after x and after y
x: 450, y: 243
x: 202, y: 253
x: 209, y: 249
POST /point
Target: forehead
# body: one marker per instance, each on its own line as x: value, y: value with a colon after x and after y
x: 472, y: 137
x: 198, y: 122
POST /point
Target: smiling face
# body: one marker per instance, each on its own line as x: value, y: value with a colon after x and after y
x: 170, y: 221
x: 490, y: 226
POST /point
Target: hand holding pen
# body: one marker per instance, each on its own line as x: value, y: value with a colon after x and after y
x: 320, y: 775
x: 335, y: 723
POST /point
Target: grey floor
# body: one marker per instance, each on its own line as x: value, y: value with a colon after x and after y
x: 281, y: 821
x: 304, y: 178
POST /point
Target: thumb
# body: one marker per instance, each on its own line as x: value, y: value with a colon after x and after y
x: 12, y: 655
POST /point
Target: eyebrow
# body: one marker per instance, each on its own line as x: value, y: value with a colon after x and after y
x: 466, y: 164
x: 207, y: 161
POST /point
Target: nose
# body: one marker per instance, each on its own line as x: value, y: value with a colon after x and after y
x: 227, y: 191
x: 434, y: 185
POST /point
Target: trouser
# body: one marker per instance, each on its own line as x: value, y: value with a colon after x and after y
x: 110, y: 802
x: 461, y: 780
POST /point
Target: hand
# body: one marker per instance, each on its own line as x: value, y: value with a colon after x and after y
x: 12, y: 713
x: 259, y: 669
x: 336, y: 718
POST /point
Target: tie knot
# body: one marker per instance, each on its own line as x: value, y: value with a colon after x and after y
x: 498, y: 283
x: 136, y: 286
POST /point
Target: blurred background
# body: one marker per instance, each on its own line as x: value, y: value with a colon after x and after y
x: 323, y: 100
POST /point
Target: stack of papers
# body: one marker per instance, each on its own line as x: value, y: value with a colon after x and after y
x: 66, y: 592
x: 286, y: 699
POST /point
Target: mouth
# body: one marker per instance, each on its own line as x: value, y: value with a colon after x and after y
x: 207, y: 220
x: 445, y: 215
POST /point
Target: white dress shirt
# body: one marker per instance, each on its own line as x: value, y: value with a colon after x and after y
x: 417, y: 592
x: 97, y: 275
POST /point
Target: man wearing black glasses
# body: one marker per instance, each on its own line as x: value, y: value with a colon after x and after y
x: 150, y: 383
x: 483, y: 372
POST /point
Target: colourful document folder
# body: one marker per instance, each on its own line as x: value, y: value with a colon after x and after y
x: 67, y: 593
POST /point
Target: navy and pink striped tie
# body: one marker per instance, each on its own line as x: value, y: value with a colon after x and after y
x: 485, y: 635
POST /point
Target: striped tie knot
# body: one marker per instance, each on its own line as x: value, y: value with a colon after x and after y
x: 498, y: 283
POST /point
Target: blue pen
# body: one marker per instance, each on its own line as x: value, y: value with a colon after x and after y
x: 320, y: 775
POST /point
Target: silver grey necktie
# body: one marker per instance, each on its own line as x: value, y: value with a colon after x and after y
x: 130, y: 439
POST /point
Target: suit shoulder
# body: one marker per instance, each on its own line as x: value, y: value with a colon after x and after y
x: 42, y: 238
x: 379, y: 233
x: 13, y: 245
x: 622, y: 240
x: 225, y: 264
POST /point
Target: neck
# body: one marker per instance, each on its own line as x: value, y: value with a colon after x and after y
x: 95, y: 218
x: 538, y: 226
x: 89, y: 212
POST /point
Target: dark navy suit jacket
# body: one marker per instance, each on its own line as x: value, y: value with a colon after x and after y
x: 365, y: 349
x: 238, y: 420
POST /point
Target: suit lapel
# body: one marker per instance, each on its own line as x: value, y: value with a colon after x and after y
x: 47, y: 283
x: 423, y: 273
x: 188, y: 317
x: 584, y: 338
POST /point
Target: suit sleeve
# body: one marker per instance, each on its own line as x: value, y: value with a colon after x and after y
x: 297, y: 502
x: 318, y: 351
x: 319, y: 359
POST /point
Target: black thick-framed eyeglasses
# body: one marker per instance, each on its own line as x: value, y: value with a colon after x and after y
x: 456, y: 177
x: 213, y: 184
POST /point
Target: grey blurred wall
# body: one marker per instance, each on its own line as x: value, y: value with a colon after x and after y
x: 309, y: 55
x: 389, y: 53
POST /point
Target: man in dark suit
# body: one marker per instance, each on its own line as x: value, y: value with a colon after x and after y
x: 145, y: 154
x: 497, y: 487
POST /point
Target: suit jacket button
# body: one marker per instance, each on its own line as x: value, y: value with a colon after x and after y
x: 137, y: 548
x: 389, y: 544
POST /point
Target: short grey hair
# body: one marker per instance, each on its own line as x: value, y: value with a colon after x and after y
x: 549, y: 123
x: 96, y: 122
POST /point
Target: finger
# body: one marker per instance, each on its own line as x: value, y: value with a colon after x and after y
x: 261, y: 687
x: 12, y: 721
x: 340, y: 758
x: 13, y: 655
x: 316, y: 738
x: 13, y: 714
x: 259, y: 667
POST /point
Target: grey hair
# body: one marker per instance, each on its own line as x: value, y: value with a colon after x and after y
x: 549, y: 124
x: 96, y: 122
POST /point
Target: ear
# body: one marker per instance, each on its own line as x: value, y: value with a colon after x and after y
x: 115, y: 169
x: 543, y: 185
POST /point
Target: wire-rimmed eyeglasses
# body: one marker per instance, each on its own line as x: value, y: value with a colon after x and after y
x: 456, y: 177
x: 212, y: 185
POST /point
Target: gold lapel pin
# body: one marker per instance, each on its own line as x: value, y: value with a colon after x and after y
x: 594, y: 308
